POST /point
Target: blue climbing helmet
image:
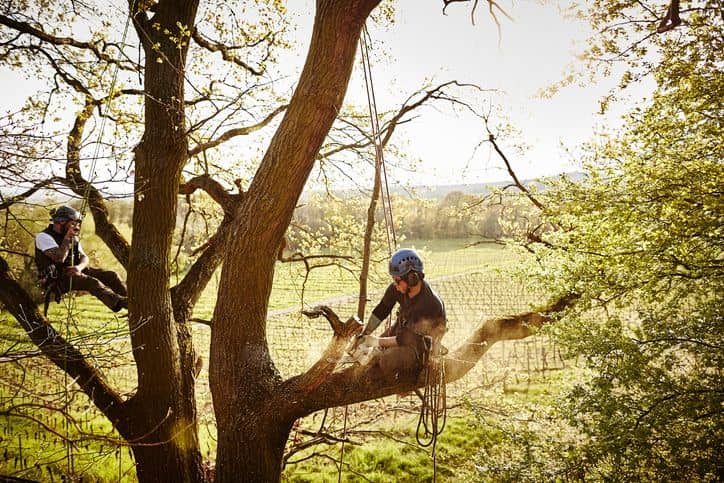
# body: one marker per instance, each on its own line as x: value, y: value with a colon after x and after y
x: 404, y: 261
x: 64, y: 213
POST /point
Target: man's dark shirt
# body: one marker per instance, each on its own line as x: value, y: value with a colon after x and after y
x: 425, y: 305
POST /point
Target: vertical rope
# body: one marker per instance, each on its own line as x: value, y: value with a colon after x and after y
x: 341, y: 453
x: 433, y: 413
x: 70, y: 304
x: 96, y: 153
x: 380, y: 165
x: 433, y: 403
x: 377, y: 139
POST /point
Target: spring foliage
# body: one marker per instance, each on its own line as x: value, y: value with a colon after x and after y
x: 642, y: 240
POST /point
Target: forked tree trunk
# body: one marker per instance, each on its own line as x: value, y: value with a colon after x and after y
x: 249, y: 400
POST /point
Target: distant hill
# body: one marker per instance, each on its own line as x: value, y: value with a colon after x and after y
x: 439, y: 192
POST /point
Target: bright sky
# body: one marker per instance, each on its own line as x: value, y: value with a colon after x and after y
x: 533, y: 51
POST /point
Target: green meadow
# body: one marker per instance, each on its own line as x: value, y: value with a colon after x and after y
x: 379, y: 436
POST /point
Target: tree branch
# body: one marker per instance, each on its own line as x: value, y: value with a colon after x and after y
x: 671, y: 20
x: 64, y: 355
x: 239, y: 131
x: 99, y: 52
x: 320, y: 387
x: 7, y: 203
x: 342, y: 331
x: 213, y: 188
x: 408, y: 106
x: 512, y: 174
x: 225, y: 52
x: 187, y: 292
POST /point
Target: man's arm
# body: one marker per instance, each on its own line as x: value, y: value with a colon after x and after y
x: 380, y: 313
x: 59, y: 253
x: 372, y: 323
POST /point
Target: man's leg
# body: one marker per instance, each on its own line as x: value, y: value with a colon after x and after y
x: 111, y: 299
x: 109, y: 278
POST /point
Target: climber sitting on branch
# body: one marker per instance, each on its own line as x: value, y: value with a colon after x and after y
x: 63, y: 266
x: 420, y: 323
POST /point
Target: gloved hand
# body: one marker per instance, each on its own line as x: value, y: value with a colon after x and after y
x: 357, y: 340
x: 368, y: 341
x: 364, y: 348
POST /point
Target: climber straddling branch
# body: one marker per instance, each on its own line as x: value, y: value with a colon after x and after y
x: 421, y: 321
x: 63, y: 266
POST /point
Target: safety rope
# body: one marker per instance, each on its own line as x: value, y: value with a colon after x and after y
x: 377, y: 139
x: 380, y: 171
x: 70, y: 300
x: 344, y: 439
x: 380, y: 166
x: 433, y: 412
x: 434, y: 405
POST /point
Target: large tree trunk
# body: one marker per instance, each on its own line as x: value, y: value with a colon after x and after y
x: 256, y: 445
x: 163, y: 411
x: 248, y: 400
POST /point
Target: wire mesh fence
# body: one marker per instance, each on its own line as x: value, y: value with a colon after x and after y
x: 295, y: 342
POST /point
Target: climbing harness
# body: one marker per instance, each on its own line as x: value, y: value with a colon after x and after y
x: 48, y: 279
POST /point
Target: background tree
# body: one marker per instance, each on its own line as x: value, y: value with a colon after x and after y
x: 640, y: 239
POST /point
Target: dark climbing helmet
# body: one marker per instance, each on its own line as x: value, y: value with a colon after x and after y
x: 404, y: 261
x: 64, y: 213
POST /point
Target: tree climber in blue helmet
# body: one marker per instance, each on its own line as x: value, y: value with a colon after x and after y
x: 421, y: 316
x: 63, y: 266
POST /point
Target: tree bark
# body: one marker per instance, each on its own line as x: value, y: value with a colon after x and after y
x: 165, y: 439
x: 249, y: 406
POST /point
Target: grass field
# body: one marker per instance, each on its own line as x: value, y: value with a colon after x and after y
x: 442, y: 258
x: 467, y: 279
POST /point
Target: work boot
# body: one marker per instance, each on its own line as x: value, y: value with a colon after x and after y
x: 121, y: 304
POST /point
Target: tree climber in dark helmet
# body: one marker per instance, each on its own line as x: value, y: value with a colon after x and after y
x: 63, y: 266
x: 421, y: 316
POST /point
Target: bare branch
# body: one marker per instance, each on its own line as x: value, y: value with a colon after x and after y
x: 6, y: 203
x: 239, y: 131
x: 492, y: 7
x: 435, y: 93
x: 512, y: 174
x: 225, y: 52
x: 514, y: 327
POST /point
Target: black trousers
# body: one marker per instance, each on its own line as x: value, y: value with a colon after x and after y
x: 105, y: 285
